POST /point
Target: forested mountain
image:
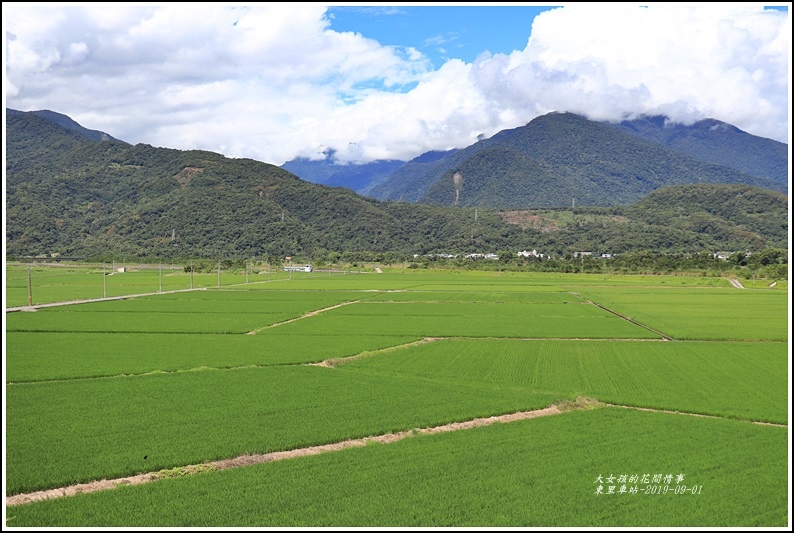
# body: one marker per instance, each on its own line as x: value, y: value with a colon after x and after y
x: 72, y: 195
x: 67, y: 123
x: 716, y: 142
x: 563, y: 159
x: 359, y: 177
x: 728, y: 213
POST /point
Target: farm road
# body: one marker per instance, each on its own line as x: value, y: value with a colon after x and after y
x: 74, y: 302
x: 735, y: 283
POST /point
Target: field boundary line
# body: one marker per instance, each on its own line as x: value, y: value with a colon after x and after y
x: 581, y: 403
x: 332, y: 363
x: 736, y: 283
x: 668, y: 411
x: 624, y: 317
x: 92, y: 300
x: 307, y: 315
x: 253, y: 459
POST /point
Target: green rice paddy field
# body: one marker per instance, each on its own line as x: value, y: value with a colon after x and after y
x: 687, y: 381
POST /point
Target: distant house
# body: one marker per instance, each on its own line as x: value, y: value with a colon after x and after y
x: 298, y: 268
x: 582, y: 254
x: 722, y: 255
x: 607, y: 256
x: 534, y: 253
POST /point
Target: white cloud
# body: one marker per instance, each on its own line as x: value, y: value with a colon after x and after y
x: 273, y: 81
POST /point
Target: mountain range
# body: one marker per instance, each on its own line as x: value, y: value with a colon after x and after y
x: 78, y: 192
x: 563, y: 159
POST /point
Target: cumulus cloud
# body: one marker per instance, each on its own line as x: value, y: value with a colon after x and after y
x: 272, y: 82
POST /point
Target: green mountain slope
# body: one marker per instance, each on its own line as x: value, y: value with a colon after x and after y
x: 716, y: 142
x: 359, y: 177
x: 562, y: 158
x: 74, y: 196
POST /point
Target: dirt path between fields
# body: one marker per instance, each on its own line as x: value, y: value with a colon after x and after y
x: 580, y: 403
x: 307, y: 315
x: 252, y: 459
x: 332, y: 363
x: 736, y: 283
x: 107, y: 299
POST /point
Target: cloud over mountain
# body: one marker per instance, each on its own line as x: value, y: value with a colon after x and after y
x: 273, y: 82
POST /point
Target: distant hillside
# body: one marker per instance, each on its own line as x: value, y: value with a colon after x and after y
x: 727, y: 213
x: 44, y: 136
x: 74, y: 196
x: 562, y: 158
x: 409, y: 182
x: 716, y: 142
x: 68, y: 123
x: 359, y: 177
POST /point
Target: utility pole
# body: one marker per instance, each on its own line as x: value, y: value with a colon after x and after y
x: 246, y: 270
x: 30, y: 289
x: 191, y: 273
x: 219, y: 272
x: 104, y: 282
x: 161, y: 277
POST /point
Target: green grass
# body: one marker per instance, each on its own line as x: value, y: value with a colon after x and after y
x: 468, y: 297
x: 88, y: 281
x: 36, y: 356
x: 534, y: 473
x: 742, y: 380
x: 713, y: 314
x: 193, y: 312
x: 68, y: 320
x: 196, y: 404
x: 473, y: 320
x: 223, y: 413
x: 60, y: 433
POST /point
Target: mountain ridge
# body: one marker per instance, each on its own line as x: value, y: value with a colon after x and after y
x: 73, y: 196
x: 680, y: 154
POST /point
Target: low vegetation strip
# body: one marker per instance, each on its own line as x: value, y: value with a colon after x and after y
x: 92, y: 300
x: 166, y: 420
x: 608, y: 310
x: 742, y: 380
x: 56, y: 356
x: 307, y: 315
x: 535, y: 473
x: 701, y: 313
x: 687, y: 414
x: 252, y: 459
x: 331, y: 363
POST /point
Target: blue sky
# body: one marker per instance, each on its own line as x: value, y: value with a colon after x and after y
x: 275, y: 81
x: 442, y: 32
